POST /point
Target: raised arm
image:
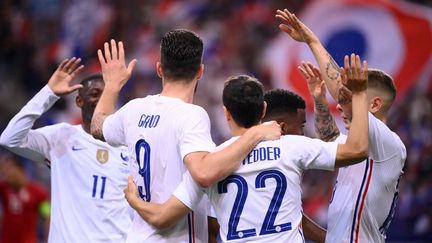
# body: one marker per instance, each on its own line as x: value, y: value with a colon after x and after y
x: 18, y: 136
x: 115, y: 74
x: 300, y: 32
x: 209, y: 168
x: 355, y: 79
x: 325, y: 125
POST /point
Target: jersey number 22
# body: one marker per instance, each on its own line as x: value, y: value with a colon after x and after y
x: 268, y: 225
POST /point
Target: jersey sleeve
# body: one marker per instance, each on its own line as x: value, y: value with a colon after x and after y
x: 18, y: 136
x: 189, y: 192
x: 113, y: 127
x: 315, y: 154
x: 196, y: 135
x: 383, y: 143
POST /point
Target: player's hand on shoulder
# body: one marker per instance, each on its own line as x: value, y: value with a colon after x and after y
x: 314, y: 81
x: 60, y: 81
x: 354, y: 75
x: 294, y: 27
x: 114, y: 70
x: 268, y: 130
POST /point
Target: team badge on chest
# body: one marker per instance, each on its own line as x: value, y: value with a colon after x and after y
x: 102, y: 155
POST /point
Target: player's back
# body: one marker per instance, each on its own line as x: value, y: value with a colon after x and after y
x: 261, y: 201
x: 159, y: 131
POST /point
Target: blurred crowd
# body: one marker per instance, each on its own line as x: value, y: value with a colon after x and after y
x: 35, y: 35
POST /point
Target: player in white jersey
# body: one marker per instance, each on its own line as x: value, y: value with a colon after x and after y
x: 87, y: 176
x: 288, y: 109
x: 261, y: 200
x: 166, y: 134
x: 365, y: 194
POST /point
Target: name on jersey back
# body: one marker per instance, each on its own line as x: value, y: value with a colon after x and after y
x: 262, y: 154
x: 148, y: 121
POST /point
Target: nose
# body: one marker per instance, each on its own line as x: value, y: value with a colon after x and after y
x: 339, y: 107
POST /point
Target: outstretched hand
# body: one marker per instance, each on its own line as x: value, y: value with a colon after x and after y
x: 294, y: 27
x: 114, y: 70
x: 354, y: 78
x: 60, y: 81
x: 315, y: 82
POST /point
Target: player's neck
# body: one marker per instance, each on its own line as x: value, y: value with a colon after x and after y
x: 236, y: 130
x: 86, y: 127
x: 179, y: 90
x: 382, y: 117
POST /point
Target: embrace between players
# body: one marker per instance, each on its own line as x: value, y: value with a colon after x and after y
x: 178, y: 176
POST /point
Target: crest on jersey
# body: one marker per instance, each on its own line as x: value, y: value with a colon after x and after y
x: 102, y: 156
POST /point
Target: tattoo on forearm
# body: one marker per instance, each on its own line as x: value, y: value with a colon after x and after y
x: 332, y: 68
x: 325, y: 125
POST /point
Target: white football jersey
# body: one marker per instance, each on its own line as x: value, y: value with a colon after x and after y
x: 365, y: 194
x: 261, y: 200
x: 87, y: 176
x: 159, y: 132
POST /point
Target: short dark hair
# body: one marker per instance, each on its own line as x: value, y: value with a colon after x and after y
x: 379, y: 80
x: 86, y: 80
x: 181, y: 54
x: 243, y: 97
x: 281, y: 101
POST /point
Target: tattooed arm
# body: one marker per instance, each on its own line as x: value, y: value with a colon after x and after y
x: 300, y: 32
x: 325, y: 126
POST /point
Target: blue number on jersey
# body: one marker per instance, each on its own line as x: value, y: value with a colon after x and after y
x: 144, y: 168
x: 95, y: 182
x: 242, y: 191
x: 268, y: 226
x: 384, y: 227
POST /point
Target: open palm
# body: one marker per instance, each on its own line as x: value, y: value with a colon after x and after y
x: 294, y: 27
x: 315, y: 83
x: 61, y: 80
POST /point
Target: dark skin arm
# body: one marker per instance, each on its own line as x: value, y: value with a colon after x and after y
x: 312, y: 230
x: 213, y: 229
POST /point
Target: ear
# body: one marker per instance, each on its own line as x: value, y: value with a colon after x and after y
x: 284, y: 127
x: 200, y: 72
x: 159, y: 69
x: 376, y: 103
x: 264, y: 110
x: 227, y: 114
x: 79, y: 101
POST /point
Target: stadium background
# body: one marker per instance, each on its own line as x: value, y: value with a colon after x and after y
x: 239, y: 37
